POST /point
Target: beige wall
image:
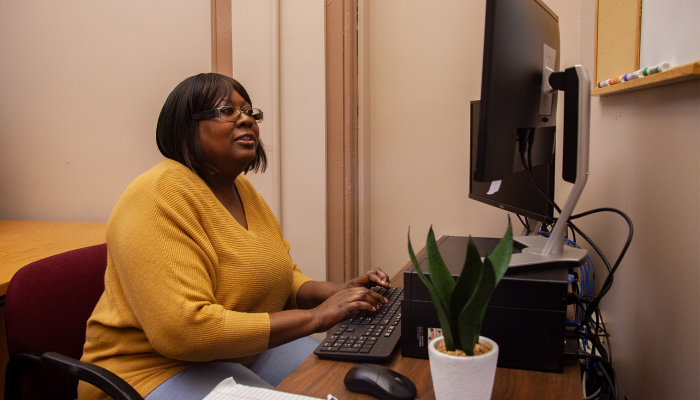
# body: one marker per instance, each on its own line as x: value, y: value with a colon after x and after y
x: 303, y: 132
x: 82, y: 85
x: 425, y: 67
x: 302, y: 144
x: 645, y: 160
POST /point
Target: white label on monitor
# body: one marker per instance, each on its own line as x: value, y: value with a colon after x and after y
x: 549, y: 58
x: 495, y: 185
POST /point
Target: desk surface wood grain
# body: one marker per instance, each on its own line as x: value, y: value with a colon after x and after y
x: 317, y: 378
x: 23, y: 242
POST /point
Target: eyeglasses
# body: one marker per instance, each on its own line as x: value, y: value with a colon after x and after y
x: 230, y: 114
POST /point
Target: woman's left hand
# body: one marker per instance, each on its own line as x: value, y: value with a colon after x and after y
x: 371, y: 278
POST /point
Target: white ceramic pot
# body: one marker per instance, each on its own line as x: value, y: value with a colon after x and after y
x: 469, y: 378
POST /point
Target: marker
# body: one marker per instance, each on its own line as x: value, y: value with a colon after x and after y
x: 331, y: 397
x: 664, y: 66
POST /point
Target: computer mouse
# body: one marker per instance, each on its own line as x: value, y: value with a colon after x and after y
x: 380, y: 382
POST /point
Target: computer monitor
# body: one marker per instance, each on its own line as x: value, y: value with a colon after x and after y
x: 515, y: 193
x: 517, y: 119
x: 515, y: 115
x: 521, y: 42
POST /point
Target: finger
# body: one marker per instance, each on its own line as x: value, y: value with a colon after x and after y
x: 366, y: 295
x: 378, y: 297
x: 378, y: 277
x: 363, y: 305
x: 383, y: 276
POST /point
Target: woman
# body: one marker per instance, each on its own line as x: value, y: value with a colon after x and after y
x: 199, y: 280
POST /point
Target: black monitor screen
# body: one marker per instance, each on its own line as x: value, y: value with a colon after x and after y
x: 514, y: 123
x: 515, y: 193
x: 520, y: 38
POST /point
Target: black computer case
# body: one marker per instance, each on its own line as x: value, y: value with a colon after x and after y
x: 526, y: 315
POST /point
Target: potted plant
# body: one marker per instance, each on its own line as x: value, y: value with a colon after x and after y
x: 461, y: 307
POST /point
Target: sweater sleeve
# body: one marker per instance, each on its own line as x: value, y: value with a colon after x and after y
x: 167, y: 269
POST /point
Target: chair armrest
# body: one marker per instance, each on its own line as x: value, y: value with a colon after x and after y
x: 109, y: 382
x: 101, y: 378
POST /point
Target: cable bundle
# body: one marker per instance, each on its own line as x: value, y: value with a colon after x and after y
x: 594, y: 348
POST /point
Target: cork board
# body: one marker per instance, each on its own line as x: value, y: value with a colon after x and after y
x: 617, y: 38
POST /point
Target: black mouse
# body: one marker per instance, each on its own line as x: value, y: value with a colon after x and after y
x: 380, y: 382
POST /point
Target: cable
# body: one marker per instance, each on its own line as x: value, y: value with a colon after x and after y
x: 589, y: 329
x: 607, y: 284
x: 527, y: 227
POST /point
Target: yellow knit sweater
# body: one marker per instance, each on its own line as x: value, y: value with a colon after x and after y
x: 185, y: 282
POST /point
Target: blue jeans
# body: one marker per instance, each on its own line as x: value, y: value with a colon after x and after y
x: 267, y: 371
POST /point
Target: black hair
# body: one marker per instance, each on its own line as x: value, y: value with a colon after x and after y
x: 177, y: 134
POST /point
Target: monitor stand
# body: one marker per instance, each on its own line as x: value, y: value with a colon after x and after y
x: 549, y: 252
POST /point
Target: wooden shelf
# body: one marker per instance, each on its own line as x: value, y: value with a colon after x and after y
x: 681, y: 73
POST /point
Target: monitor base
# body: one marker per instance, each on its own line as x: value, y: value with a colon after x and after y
x: 531, y: 257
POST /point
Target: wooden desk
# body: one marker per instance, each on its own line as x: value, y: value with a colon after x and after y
x: 23, y: 242
x: 317, y: 378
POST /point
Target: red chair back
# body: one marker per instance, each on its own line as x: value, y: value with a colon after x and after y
x: 47, y: 306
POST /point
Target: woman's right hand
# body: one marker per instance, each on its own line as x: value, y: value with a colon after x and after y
x: 340, y: 305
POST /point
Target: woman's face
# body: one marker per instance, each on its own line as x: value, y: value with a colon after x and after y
x: 230, y: 146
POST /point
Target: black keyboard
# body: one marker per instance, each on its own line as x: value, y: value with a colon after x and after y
x: 367, y: 336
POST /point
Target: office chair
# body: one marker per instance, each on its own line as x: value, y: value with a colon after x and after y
x: 47, y: 305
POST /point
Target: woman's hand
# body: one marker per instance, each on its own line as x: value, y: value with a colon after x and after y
x: 344, y: 302
x: 371, y: 278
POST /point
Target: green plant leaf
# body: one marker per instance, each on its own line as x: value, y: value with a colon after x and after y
x: 500, y: 258
x: 440, y: 308
x: 473, y: 313
x: 466, y: 285
x: 444, y: 284
x: 439, y: 274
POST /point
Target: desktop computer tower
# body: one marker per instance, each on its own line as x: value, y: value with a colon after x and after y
x: 526, y: 316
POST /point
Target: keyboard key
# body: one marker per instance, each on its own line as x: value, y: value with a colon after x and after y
x: 349, y: 350
x: 358, y: 345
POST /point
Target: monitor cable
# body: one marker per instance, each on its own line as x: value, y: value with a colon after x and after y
x: 587, y: 329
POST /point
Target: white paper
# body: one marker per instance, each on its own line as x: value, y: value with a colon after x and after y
x: 495, y: 185
x: 228, y: 389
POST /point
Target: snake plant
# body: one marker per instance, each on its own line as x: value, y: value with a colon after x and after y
x: 461, y: 305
